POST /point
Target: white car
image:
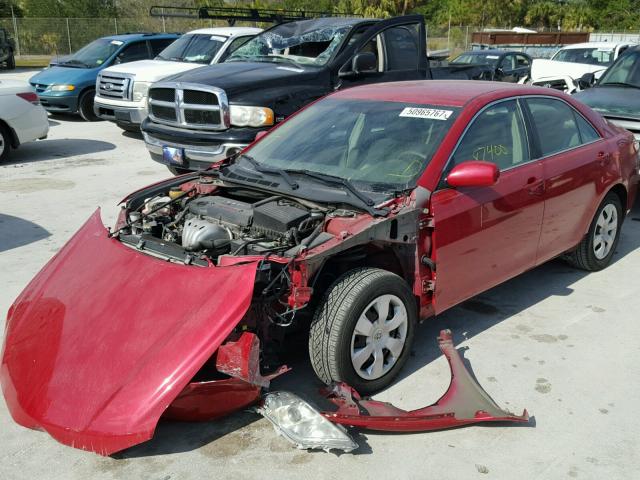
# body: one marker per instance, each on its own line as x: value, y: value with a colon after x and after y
x: 121, y: 90
x: 564, y: 70
x: 22, y: 118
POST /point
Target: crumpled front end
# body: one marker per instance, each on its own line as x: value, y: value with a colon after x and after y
x: 105, y: 338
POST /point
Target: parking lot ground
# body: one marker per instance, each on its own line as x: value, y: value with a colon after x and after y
x: 560, y: 342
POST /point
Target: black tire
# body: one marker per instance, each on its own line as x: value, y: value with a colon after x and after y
x: 178, y: 171
x: 11, y: 62
x: 85, y: 106
x: 5, y: 143
x: 584, y: 256
x: 334, y: 323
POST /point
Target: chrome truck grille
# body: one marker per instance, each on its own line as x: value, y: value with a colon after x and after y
x: 189, y: 105
x: 114, y: 85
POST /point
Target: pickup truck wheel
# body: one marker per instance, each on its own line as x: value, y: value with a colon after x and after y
x: 597, y: 247
x: 85, y: 106
x: 363, y: 329
x: 11, y: 62
x: 5, y: 143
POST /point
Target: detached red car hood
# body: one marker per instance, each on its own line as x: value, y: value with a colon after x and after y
x: 104, y: 338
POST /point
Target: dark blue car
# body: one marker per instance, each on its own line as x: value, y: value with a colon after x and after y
x: 69, y: 86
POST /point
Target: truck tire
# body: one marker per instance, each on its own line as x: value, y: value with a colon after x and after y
x: 5, y: 143
x: 85, y: 106
x: 350, y: 341
x: 596, y: 249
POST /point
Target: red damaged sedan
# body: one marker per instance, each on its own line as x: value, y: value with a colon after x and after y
x: 364, y: 213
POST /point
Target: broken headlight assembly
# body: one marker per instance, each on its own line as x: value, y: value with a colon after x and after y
x: 302, y: 424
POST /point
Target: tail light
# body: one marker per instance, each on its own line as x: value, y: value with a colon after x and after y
x: 30, y: 97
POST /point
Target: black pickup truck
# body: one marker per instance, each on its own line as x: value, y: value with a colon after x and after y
x: 208, y: 114
x: 7, y: 47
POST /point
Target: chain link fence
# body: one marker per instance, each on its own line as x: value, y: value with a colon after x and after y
x: 61, y: 36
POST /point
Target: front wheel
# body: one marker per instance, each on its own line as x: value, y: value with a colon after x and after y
x: 5, y: 143
x: 363, y: 329
x: 85, y: 106
x: 596, y: 249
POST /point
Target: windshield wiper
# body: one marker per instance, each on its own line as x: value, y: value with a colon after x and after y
x: 75, y: 62
x: 325, y: 177
x: 620, y: 84
x: 279, y: 171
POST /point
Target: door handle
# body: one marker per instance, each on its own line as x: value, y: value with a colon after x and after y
x: 537, y: 189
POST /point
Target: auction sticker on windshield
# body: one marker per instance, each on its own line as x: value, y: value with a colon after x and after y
x: 430, y: 113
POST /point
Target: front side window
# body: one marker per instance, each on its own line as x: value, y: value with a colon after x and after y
x: 376, y: 145
x: 497, y: 135
x: 159, y: 44
x: 476, y: 59
x: 401, y: 47
x: 133, y: 52
x: 310, y: 42
x: 556, y: 124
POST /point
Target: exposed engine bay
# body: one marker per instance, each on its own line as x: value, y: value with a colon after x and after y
x: 197, y: 222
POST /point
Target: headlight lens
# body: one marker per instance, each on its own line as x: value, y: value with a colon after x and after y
x: 301, y: 424
x: 140, y: 90
x: 62, y: 88
x: 242, y: 116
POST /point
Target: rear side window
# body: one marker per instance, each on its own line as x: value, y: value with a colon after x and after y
x: 587, y: 133
x: 160, y: 44
x: 497, y: 135
x: 556, y: 125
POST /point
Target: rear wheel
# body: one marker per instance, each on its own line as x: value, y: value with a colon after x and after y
x: 5, y: 143
x: 85, y: 106
x: 598, y: 246
x: 363, y: 329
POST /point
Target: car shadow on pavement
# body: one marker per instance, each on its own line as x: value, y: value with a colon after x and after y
x: 56, y: 149
x: 16, y: 232
x: 471, y: 318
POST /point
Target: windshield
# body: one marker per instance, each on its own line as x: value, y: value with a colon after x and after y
x: 476, y: 58
x: 195, y: 48
x: 291, y: 44
x: 591, y: 56
x: 626, y: 71
x: 378, y: 146
x: 94, y: 54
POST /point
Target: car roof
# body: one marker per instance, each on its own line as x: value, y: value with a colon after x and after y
x: 452, y: 93
x: 610, y: 45
x: 227, y: 31
x: 489, y: 51
x: 127, y: 37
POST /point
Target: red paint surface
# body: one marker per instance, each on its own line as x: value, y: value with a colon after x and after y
x: 464, y: 403
x: 104, y: 338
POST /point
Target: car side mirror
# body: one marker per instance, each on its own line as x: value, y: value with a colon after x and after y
x: 364, y: 62
x: 473, y: 174
x: 587, y: 80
